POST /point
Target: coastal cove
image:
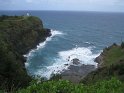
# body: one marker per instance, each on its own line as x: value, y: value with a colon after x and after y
x: 69, y: 67
x: 76, y: 33
x: 61, y: 52
x: 89, y: 34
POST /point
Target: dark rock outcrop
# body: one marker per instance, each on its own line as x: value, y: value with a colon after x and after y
x: 99, y: 59
x: 76, y: 61
x: 76, y: 73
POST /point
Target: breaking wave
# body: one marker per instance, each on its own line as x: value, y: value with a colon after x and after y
x: 41, y: 45
x: 64, y: 60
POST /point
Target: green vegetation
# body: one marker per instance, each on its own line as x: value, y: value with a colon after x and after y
x: 105, y: 73
x: 10, y: 18
x: 112, y: 55
x: 12, y: 71
x: 18, y: 34
x: 56, y: 77
x: 62, y: 86
x: 112, y: 65
x: 23, y: 34
x: 122, y: 45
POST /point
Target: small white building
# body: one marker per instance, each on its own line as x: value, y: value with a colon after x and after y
x: 28, y: 14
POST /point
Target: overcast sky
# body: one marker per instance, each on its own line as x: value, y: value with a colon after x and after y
x: 79, y: 5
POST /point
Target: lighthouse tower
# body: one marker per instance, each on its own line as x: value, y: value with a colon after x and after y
x: 28, y: 14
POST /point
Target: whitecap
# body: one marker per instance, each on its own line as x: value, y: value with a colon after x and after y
x: 85, y: 55
x: 87, y: 42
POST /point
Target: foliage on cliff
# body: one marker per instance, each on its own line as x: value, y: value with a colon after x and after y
x: 18, y: 34
x: 23, y: 32
x: 111, y: 63
x: 63, y: 86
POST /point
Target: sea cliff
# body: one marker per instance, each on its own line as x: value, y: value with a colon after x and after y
x: 110, y: 64
x: 18, y: 34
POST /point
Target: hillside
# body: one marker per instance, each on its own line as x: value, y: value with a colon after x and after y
x: 18, y: 34
x: 111, y: 64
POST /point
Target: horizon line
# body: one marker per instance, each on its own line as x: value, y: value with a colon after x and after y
x: 70, y: 11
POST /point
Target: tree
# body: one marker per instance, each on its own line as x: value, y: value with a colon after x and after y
x: 122, y: 45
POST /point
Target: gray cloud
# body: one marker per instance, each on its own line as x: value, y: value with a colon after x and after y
x: 90, y: 5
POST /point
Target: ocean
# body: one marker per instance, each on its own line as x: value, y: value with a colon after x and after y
x: 81, y: 35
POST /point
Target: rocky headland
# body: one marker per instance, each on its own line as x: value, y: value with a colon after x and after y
x: 18, y: 35
x: 110, y: 64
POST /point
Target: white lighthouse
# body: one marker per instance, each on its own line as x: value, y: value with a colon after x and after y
x: 28, y: 14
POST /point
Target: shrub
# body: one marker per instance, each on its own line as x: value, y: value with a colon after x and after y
x: 122, y: 45
x: 63, y: 86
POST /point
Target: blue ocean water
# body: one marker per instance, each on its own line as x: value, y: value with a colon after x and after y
x: 80, y: 35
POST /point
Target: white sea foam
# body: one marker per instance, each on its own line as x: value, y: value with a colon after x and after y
x: 85, y: 56
x: 54, y: 33
x: 42, y: 45
x: 87, y: 43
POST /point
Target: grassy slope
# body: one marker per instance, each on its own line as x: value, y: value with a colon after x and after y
x: 113, y: 55
x: 113, y: 65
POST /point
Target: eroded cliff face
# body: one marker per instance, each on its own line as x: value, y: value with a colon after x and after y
x: 18, y: 34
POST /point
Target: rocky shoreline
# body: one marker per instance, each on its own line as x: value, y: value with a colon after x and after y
x: 99, y: 59
x: 76, y: 71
